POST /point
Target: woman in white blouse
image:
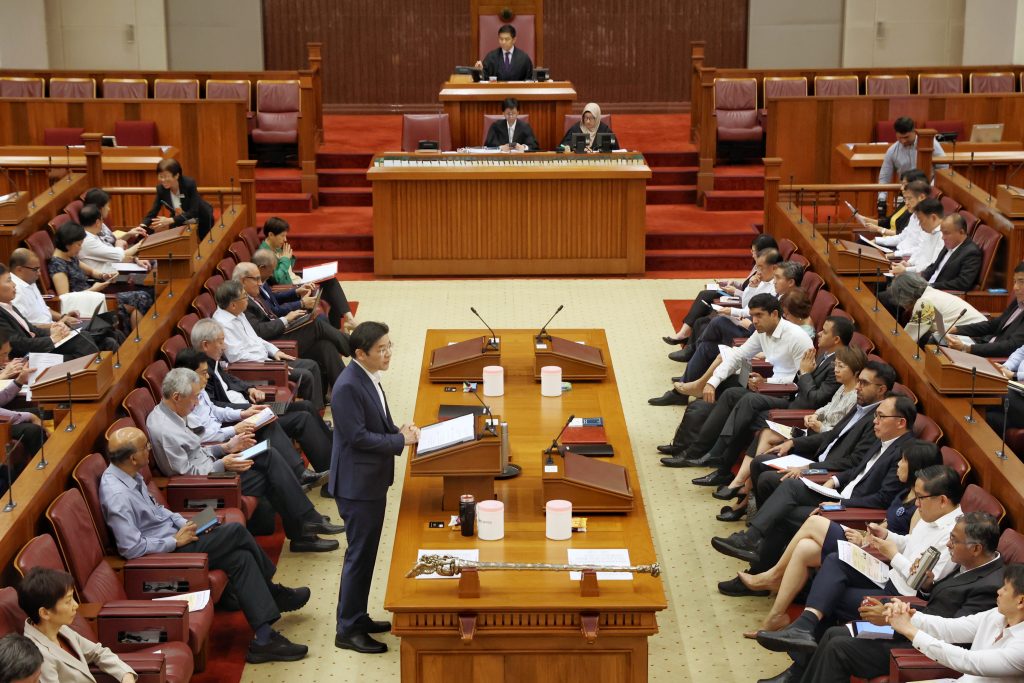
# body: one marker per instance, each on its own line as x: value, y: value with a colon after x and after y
x: 850, y: 360
x: 911, y: 292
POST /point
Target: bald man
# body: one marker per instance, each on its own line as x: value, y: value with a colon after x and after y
x: 141, y: 526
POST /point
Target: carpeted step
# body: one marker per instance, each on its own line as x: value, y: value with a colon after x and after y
x: 348, y: 261
x: 284, y: 202
x: 346, y: 196
x: 671, y: 194
x: 697, y: 259
x: 673, y: 175
x: 733, y: 200
x: 323, y: 242
x: 695, y: 239
x: 343, y: 160
x: 289, y: 184
x: 680, y: 158
x: 343, y: 177
x: 741, y: 181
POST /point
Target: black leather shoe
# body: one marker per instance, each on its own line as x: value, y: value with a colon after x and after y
x: 289, y: 599
x: 311, y: 479
x: 735, y: 588
x: 324, y: 493
x: 360, y: 642
x: 370, y: 626
x: 670, y: 449
x: 313, y: 544
x: 322, y: 526
x: 726, y: 493
x: 738, y: 545
x: 677, y: 379
x: 669, y: 398
x: 787, y: 676
x: 681, y: 461
x: 672, y: 341
x: 682, y: 355
x: 789, y: 639
x: 279, y: 649
x: 714, y: 478
x: 729, y: 514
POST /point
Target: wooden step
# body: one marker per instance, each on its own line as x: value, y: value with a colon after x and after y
x: 343, y: 160
x: 342, y: 177
x: 733, y: 200
x: 348, y: 261
x: 691, y: 239
x: 671, y: 194
x: 324, y: 242
x: 753, y: 182
x: 680, y: 158
x: 284, y: 202
x: 288, y: 184
x: 673, y: 175
x: 697, y: 259
x: 346, y: 196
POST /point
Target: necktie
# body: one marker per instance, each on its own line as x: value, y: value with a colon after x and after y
x: 508, y: 60
x: 259, y: 302
x: 1009, y: 321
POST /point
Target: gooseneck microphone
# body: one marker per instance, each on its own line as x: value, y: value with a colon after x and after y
x: 553, y: 448
x: 543, y: 334
x: 938, y: 342
x: 489, y: 427
x: 492, y: 341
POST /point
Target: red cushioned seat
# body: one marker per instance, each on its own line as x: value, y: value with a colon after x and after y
x: 416, y: 127
x: 277, y: 112
x: 176, y: 89
x: 61, y: 137
x: 135, y: 133
x: 736, y: 110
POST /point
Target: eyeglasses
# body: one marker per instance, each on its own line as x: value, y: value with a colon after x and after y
x: 35, y: 268
x: 250, y: 277
x: 864, y: 383
x: 920, y: 498
x: 385, y: 350
x: 953, y: 541
x: 879, y: 416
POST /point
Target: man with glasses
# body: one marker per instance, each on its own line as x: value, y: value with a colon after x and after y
x: 969, y: 589
x: 24, y: 265
x: 366, y: 443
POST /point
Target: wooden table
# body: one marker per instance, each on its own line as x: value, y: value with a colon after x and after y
x: 525, y: 626
x: 547, y: 103
x: 508, y: 214
x: 861, y: 162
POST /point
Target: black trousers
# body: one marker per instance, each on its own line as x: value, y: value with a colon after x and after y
x: 232, y: 549
x: 303, y: 424
x: 701, y: 308
x: 364, y: 520
x: 840, y: 656
x: 273, y: 477
x: 720, y: 330
x: 306, y: 374
x: 334, y: 295
x: 282, y: 443
x: 838, y: 589
x: 747, y: 417
x: 689, y: 431
x: 324, y: 346
x: 779, y: 518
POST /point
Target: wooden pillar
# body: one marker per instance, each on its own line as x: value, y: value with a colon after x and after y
x: 307, y: 135
x: 316, y: 65
x: 696, y: 63
x: 772, y: 178
x: 925, y: 150
x: 247, y: 186
x: 708, y: 135
x: 93, y: 158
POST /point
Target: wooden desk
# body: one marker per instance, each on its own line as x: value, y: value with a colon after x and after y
x: 508, y: 214
x: 547, y: 104
x: 527, y: 624
x: 860, y: 162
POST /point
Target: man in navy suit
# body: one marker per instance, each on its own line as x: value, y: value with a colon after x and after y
x: 506, y: 62
x: 366, y: 442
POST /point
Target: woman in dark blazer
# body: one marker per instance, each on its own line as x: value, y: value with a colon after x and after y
x: 522, y: 138
x: 589, y: 125
x: 178, y: 194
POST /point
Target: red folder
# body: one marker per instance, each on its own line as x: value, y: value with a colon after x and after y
x: 584, y: 435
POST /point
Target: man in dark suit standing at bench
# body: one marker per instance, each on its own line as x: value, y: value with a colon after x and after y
x: 506, y: 63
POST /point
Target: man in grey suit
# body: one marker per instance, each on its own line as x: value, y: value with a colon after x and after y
x: 366, y: 441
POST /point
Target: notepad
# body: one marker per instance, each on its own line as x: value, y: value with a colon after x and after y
x: 197, y: 601
x: 787, y: 461
x: 447, y: 433
x: 818, y: 488
x: 253, y: 451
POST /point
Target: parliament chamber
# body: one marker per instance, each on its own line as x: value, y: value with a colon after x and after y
x: 282, y: 237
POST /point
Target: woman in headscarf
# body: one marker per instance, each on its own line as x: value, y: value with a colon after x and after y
x: 589, y: 125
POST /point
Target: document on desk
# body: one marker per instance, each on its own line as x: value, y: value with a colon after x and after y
x: 196, y: 601
x: 609, y: 557
x: 787, y: 461
x: 471, y: 554
x: 448, y: 433
x: 879, y: 247
x: 858, y: 558
x: 39, y: 362
x: 818, y: 488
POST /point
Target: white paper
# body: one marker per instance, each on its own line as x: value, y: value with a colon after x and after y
x: 711, y: 286
x: 448, y: 433
x: 253, y: 451
x: 718, y: 309
x: 609, y: 557
x: 128, y: 268
x: 784, y: 430
x: 197, y: 601
x: 730, y: 299
x: 787, y: 461
x: 823, y: 490
x: 39, y: 362
x: 472, y: 554
x: 871, y: 567
x: 879, y: 247
x: 66, y: 339
x: 553, y: 469
x: 323, y: 271
x: 261, y: 418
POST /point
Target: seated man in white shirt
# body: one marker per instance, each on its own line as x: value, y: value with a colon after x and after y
x: 996, y: 636
x: 96, y: 253
x: 922, y: 253
x: 25, y: 267
x: 243, y: 344
x: 917, y: 191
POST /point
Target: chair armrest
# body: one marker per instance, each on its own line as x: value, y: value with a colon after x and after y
x: 788, y: 416
x: 163, y: 574
x: 776, y: 389
x: 119, y: 619
x: 151, y: 667
x: 911, y: 665
x: 224, y: 515
x: 289, y: 346
x: 270, y: 372
x: 193, y: 492
x: 762, y: 367
x: 911, y: 600
x: 855, y: 518
x: 275, y: 394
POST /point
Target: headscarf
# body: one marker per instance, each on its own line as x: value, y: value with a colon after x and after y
x: 594, y: 109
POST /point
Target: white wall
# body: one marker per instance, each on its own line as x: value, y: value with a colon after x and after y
x: 794, y: 33
x: 1018, y: 48
x: 221, y: 35
x: 883, y: 33
x: 107, y: 34
x: 23, y: 35
x: 990, y: 31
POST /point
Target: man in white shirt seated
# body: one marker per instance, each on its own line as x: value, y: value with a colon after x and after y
x: 243, y: 344
x: 918, y: 256
x: 25, y: 266
x: 996, y: 636
x: 96, y: 253
x: 917, y: 191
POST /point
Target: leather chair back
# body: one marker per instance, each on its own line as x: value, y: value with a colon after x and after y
x: 993, y: 82
x: 42, y: 246
x: 217, y: 89
x: 239, y: 251
x: 801, y: 259
x: 927, y: 429
x: 843, y: 314
x: 80, y: 546
x: 185, y: 325
x: 139, y: 404
x: 939, y: 84
x: 12, y: 86
x: 172, y: 346
x: 947, y: 126
x: 954, y: 459
x: 885, y: 131
x: 251, y: 238
x: 40, y: 551
x: 73, y: 88
x: 176, y: 89
x: 811, y: 283
x: 786, y: 248
x: 212, y: 283
x: 135, y: 133
x: 526, y: 33
x: 977, y: 499
x: 12, y: 619
x: 204, y: 305
x: 277, y: 112
x: 949, y: 205
x: 988, y: 239
x: 73, y: 208
x: 54, y: 223
x: 489, y: 119
x: 416, y: 127
x: 898, y: 388
x: 860, y: 341
x: 822, y: 307
x: 971, y: 220
x: 226, y: 267
x: 125, y: 89
x: 87, y: 474
x: 62, y: 137
x: 571, y: 120
x: 1011, y: 546
x: 784, y: 86
x: 736, y: 109
x: 887, y: 85
x: 837, y: 86
x: 154, y: 375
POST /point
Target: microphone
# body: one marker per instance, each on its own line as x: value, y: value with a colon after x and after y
x: 10, y: 181
x: 492, y: 341
x: 1001, y: 453
x: 543, y: 334
x: 878, y: 284
x: 1013, y: 173
x: 232, y: 181
x: 828, y: 232
x: 974, y: 378
x: 938, y: 342
x: 970, y: 171
x: 41, y: 465
x: 488, y: 426
x: 917, y: 352
x: 10, y: 478
x: 553, y: 448
x: 859, y: 277
x: 71, y: 417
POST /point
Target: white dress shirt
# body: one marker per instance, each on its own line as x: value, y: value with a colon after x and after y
x: 29, y: 301
x: 233, y: 396
x: 927, y: 251
x: 942, y: 264
x: 97, y: 254
x: 912, y: 231
x: 375, y: 378
x: 783, y: 348
x: 996, y: 653
x: 241, y: 341
x: 922, y: 536
x: 848, y: 489
x: 216, y: 421
x: 935, y: 303
x: 749, y: 293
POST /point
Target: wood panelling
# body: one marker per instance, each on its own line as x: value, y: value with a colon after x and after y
x: 392, y: 55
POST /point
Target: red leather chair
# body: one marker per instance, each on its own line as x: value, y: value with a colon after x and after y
x: 172, y: 346
x: 971, y: 220
x: 992, y: 82
x: 887, y: 85
x: 62, y: 137
x: 95, y: 581
x: 11, y: 86
x: 73, y: 208
x: 226, y: 267
x: 801, y: 259
x: 185, y: 325
x: 572, y: 119
x: 822, y: 307
x: 176, y: 89
x: 898, y: 388
x: 910, y: 665
x: 204, y: 305
x: 885, y: 131
x: 154, y: 375
x: 811, y: 283
x: 135, y: 133
x: 977, y: 499
x: 125, y: 89
x: 786, y: 248
x: 240, y: 252
x: 219, y: 89
x: 277, y: 112
x: 837, y: 86
x: 73, y: 88
x: 953, y: 458
x: 939, y: 84
x: 416, y: 127
x: 926, y: 429
x: 212, y: 283
x: 860, y: 341
x: 42, y: 246
x: 489, y: 119
x: 841, y: 313
x: 251, y: 238
x: 988, y: 240
x: 1011, y: 546
x: 736, y: 113
x: 784, y: 86
x: 949, y: 205
x: 947, y: 126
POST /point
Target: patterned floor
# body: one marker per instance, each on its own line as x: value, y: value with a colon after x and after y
x: 699, y: 639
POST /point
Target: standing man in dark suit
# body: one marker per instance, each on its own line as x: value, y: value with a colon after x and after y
x: 506, y: 63
x: 958, y: 265
x: 1000, y: 336
x: 366, y: 441
x: 510, y: 133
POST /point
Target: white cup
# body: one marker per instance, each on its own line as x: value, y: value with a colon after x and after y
x: 490, y: 520
x: 551, y: 380
x: 494, y: 380
x: 558, y: 526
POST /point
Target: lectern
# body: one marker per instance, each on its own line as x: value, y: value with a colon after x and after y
x: 174, y: 251
x: 843, y: 258
x: 590, y: 485
x: 579, y: 362
x: 949, y: 371
x: 462, y: 362
x: 468, y: 467
x: 13, y: 208
x: 91, y: 376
